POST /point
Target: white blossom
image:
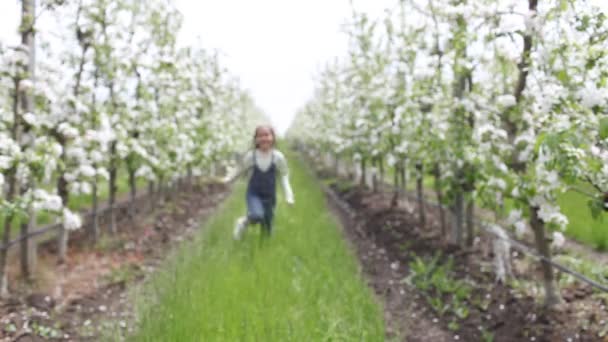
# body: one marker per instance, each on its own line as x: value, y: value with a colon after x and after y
x: 26, y: 84
x: 506, y: 100
x: 591, y: 96
x: 45, y: 201
x: 558, y: 240
x: 71, y: 221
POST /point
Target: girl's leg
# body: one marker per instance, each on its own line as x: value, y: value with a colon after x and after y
x: 268, y: 218
x: 255, y: 214
x: 255, y: 209
x: 240, y: 227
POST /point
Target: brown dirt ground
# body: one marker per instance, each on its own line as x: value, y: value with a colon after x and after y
x: 385, y: 238
x: 81, y: 299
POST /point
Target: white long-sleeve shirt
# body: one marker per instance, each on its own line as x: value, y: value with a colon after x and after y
x: 263, y: 161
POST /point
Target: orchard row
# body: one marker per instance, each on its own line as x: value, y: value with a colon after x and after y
x: 98, y: 86
x: 504, y: 102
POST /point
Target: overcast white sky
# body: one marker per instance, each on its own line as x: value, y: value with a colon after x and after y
x: 274, y: 46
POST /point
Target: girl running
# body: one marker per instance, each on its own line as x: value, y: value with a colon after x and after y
x: 262, y: 165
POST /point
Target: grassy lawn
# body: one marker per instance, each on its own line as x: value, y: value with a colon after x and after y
x: 582, y: 226
x: 302, y: 284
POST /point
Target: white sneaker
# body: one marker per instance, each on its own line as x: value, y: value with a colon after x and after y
x: 239, y: 227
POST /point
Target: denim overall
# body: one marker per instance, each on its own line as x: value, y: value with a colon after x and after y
x: 261, y: 195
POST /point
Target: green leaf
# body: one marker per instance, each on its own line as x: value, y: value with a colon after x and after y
x: 596, y: 208
x: 539, y: 141
x: 604, y: 128
x: 562, y: 75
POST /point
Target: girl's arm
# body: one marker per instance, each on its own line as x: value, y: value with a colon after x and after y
x: 240, y: 169
x: 287, y: 188
x: 284, y: 171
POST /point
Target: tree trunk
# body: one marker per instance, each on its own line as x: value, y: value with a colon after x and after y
x: 173, y: 191
x: 28, y: 245
x: 132, y: 193
x: 552, y: 295
x: 160, y: 191
x: 113, y: 170
x: 29, y: 248
x: 403, y: 176
x: 439, y: 194
x: 381, y: 168
x: 151, y: 196
x: 337, y: 165
x: 363, y: 173
x: 8, y: 220
x: 470, y: 221
x: 396, y: 188
x: 28, y: 13
x: 11, y: 176
x: 63, y: 234
x: 94, y: 233
x: 375, y: 175
x: 189, y: 177
x: 420, y: 194
x: 457, y: 220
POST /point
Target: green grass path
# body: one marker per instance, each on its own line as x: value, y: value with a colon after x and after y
x: 302, y: 284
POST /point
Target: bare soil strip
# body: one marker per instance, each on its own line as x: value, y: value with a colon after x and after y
x: 87, y: 297
x: 386, y: 239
